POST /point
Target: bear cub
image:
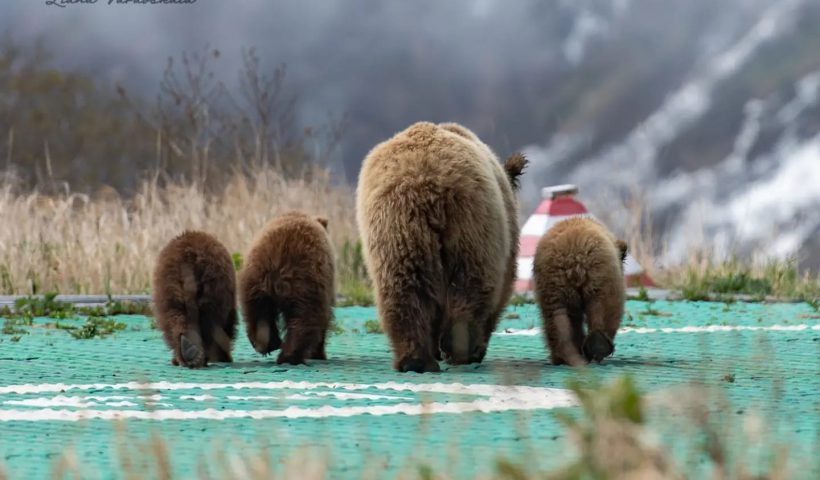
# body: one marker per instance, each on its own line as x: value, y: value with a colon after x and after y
x: 289, y: 273
x: 194, y: 295
x: 578, y: 275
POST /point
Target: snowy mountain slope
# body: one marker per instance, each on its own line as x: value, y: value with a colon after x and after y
x: 731, y: 155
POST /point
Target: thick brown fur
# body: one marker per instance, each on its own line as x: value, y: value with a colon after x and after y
x: 578, y: 275
x: 289, y: 272
x: 437, y: 214
x: 194, y: 294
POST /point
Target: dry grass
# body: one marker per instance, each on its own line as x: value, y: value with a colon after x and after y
x: 75, y: 243
x: 703, y: 278
x: 702, y: 275
x: 631, y: 220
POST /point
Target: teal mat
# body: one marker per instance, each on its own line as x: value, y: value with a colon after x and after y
x: 59, y: 394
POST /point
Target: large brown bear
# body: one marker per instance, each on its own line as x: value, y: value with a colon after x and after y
x: 437, y: 215
x: 289, y: 271
x: 194, y: 294
x: 578, y: 274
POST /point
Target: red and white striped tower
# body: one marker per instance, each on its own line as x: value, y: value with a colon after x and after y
x: 559, y: 204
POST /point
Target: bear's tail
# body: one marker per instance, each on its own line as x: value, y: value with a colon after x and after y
x: 514, y: 166
x: 278, y: 286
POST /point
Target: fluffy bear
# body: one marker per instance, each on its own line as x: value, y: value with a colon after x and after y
x: 289, y: 272
x: 437, y: 215
x: 578, y: 276
x: 194, y: 297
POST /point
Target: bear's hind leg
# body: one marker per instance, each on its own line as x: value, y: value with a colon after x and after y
x: 560, y: 339
x: 183, y: 338
x: 463, y: 337
x: 408, y: 322
x: 306, y: 330
x: 576, y: 319
x: 318, y: 351
x: 300, y: 341
x: 260, y: 316
x: 471, y: 295
x: 192, y: 351
x: 217, y: 354
x: 599, y: 342
x: 218, y: 329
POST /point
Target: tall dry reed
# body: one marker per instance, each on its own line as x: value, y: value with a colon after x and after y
x: 76, y: 243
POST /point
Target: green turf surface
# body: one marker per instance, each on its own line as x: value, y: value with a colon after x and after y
x: 345, y: 407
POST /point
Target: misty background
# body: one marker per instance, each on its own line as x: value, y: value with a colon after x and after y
x: 706, y: 112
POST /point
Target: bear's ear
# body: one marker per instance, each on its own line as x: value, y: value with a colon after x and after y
x: 621, y: 246
x: 323, y: 221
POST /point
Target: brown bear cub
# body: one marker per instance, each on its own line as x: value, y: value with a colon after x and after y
x: 437, y: 214
x: 578, y: 274
x: 289, y: 272
x: 194, y: 296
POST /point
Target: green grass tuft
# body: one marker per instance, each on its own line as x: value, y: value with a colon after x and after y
x: 12, y: 326
x: 373, y: 326
x: 356, y: 294
x: 722, y: 281
x: 353, y: 282
x: 116, y: 307
x: 642, y: 296
x: 43, y: 306
x: 335, y: 328
x: 517, y: 300
x: 237, y: 261
x: 94, y: 327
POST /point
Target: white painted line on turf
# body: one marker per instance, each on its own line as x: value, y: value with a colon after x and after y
x: 61, y: 401
x: 197, y: 398
x: 689, y: 329
x: 452, y: 388
x: 491, y: 398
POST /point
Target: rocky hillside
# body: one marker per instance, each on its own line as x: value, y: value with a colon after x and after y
x: 725, y: 148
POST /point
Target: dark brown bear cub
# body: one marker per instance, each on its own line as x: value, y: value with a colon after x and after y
x: 289, y: 272
x: 578, y: 273
x: 194, y: 295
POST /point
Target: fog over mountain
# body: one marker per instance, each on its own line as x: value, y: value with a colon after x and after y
x: 710, y: 109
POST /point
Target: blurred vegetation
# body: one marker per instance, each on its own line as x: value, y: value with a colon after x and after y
x: 94, y: 327
x: 62, y: 127
x: 610, y: 438
x: 518, y: 299
x: 354, y: 284
x: 58, y: 124
x: 778, y: 279
x: 373, y: 326
x: 98, y: 319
